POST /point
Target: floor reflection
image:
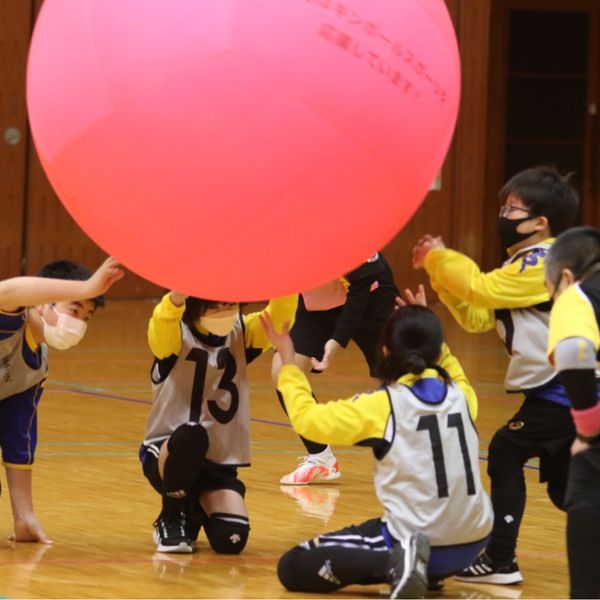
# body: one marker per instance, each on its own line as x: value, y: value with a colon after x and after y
x: 315, y: 501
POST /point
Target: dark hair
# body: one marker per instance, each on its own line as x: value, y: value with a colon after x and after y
x: 196, y: 307
x: 413, y: 339
x: 67, y: 269
x: 577, y: 249
x: 546, y: 193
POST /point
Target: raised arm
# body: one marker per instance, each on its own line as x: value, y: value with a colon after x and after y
x: 450, y: 364
x: 280, y: 310
x: 518, y: 284
x: 18, y: 292
x: 164, y: 328
x: 348, y: 421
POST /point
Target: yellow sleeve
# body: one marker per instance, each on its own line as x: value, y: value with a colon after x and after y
x: 347, y: 422
x: 280, y: 310
x: 572, y: 316
x: 470, y: 318
x: 450, y: 364
x: 164, y: 328
x: 516, y: 285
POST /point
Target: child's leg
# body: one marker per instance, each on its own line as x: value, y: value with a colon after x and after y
x: 583, y: 523
x: 310, y: 332
x: 220, y: 495
x: 303, y: 362
x: 537, y: 429
x: 554, y: 468
x: 354, y: 555
x: 540, y: 428
x: 506, y: 458
x: 172, y: 468
x: 367, y: 338
x: 226, y: 523
x: 180, y: 460
x: 18, y: 438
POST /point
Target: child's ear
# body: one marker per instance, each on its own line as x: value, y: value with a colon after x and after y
x: 568, y: 276
x: 541, y: 224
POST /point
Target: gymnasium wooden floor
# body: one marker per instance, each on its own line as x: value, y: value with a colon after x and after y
x: 94, y: 502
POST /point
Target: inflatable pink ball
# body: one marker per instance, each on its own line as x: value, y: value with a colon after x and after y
x: 242, y: 149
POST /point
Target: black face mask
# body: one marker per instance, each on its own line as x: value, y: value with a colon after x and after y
x: 507, y: 228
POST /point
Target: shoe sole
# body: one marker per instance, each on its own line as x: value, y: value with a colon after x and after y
x: 318, y: 479
x: 415, y: 584
x: 497, y: 578
x: 181, y: 548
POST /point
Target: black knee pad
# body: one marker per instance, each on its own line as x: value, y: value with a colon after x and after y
x: 227, y: 533
x: 188, y: 443
x: 187, y: 447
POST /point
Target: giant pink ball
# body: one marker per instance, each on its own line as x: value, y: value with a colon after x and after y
x: 242, y: 149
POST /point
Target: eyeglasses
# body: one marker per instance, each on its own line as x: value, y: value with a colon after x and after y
x: 508, y: 209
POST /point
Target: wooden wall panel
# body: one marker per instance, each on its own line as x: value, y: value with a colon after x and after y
x: 591, y: 204
x: 456, y: 212
x: 433, y: 216
x: 15, y: 24
x: 469, y: 202
x: 493, y: 253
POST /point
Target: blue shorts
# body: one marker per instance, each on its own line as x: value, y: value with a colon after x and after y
x: 18, y: 426
x: 446, y: 560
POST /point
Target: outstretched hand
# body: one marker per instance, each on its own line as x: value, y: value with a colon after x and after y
x: 423, y: 247
x: 282, y: 341
x: 107, y: 273
x: 578, y: 446
x: 418, y: 298
x: 29, y: 530
x: 330, y: 348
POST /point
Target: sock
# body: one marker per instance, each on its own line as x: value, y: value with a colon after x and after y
x: 325, y: 456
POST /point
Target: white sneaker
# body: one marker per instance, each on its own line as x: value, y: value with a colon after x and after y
x: 311, y: 470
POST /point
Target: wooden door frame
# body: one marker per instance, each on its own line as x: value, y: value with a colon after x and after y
x: 496, y: 128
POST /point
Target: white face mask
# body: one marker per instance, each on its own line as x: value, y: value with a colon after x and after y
x: 67, y: 332
x: 221, y: 326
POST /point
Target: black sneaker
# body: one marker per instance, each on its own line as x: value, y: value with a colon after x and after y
x: 435, y: 585
x: 486, y: 570
x: 170, y: 534
x: 408, y: 567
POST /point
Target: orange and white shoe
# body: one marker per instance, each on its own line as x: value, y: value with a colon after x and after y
x: 312, y: 470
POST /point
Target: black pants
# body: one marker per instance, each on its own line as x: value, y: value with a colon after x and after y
x: 360, y: 554
x: 583, y: 523
x: 354, y: 555
x: 541, y: 429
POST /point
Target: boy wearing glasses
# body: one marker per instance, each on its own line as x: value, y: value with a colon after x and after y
x: 537, y: 205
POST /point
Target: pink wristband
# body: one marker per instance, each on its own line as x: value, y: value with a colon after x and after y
x: 587, y: 421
